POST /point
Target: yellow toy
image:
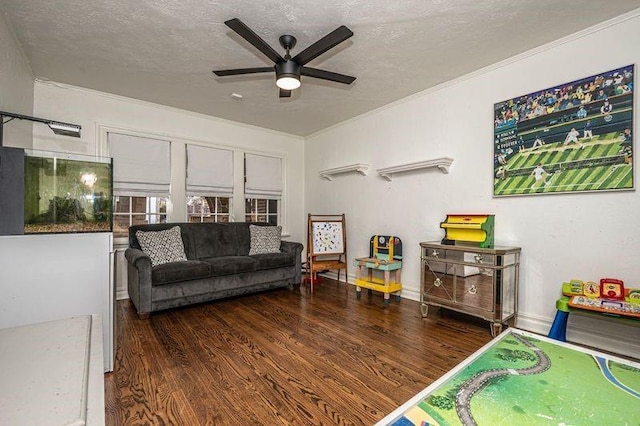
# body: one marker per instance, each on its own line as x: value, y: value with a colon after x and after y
x: 591, y: 289
x: 475, y: 229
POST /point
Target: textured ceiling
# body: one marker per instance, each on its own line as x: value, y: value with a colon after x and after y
x: 163, y: 51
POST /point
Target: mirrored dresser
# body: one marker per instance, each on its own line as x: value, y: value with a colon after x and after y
x: 482, y: 282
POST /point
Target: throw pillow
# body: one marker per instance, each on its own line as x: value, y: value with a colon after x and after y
x: 265, y: 239
x: 162, y: 246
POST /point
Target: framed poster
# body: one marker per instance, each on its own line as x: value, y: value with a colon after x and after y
x: 573, y: 137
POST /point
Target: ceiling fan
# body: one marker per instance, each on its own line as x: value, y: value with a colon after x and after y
x: 288, y: 70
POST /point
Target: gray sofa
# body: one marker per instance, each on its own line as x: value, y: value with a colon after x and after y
x: 218, y: 265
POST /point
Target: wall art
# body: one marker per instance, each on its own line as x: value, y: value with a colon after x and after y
x: 572, y: 137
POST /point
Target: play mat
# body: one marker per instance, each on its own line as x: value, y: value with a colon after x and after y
x: 521, y: 378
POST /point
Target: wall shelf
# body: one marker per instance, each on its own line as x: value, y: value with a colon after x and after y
x: 441, y: 163
x: 328, y: 174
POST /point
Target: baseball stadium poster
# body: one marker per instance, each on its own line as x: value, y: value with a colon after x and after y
x: 573, y: 137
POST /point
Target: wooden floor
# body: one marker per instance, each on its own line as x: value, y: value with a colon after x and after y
x: 281, y: 357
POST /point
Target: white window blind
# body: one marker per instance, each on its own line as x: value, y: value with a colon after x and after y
x: 140, y: 165
x: 263, y: 177
x: 209, y: 171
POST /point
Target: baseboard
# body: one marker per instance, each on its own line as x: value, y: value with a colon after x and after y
x: 411, y: 294
x: 122, y: 294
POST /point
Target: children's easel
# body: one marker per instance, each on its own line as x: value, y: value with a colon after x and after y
x: 326, y: 245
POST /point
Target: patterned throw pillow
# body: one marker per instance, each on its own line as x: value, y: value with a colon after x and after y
x: 265, y: 239
x: 162, y: 246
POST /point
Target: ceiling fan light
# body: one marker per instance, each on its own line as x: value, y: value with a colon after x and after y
x: 288, y: 82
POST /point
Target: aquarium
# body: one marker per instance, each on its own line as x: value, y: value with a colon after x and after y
x: 66, y: 193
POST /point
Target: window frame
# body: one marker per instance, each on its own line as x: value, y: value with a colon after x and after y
x: 147, y: 214
x: 215, y: 214
x: 281, y: 218
x: 252, y: 216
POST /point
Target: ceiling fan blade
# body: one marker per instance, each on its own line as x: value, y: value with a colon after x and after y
x: 247, y: 33
x: 285, y: 93
x: 222, y: 73
x: 327, y: 75
x: 332, y: 39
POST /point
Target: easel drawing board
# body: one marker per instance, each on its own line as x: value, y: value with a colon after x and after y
x: 326, y: 244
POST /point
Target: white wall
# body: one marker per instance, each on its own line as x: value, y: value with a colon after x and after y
x: 587, y: 236
x: 95, y: 111
x: 16, y: 88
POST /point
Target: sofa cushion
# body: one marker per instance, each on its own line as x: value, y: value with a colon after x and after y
x: 180, y: 271
x: 274, y: 260
x: 162, y: 246
x: 217, y: 240
x: 228, y: 265
x: 264, y: 239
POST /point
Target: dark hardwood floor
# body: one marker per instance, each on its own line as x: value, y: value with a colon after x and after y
x: 281, y: 357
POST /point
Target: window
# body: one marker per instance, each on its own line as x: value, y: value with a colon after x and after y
x: 141, y: 181
x: 129, y: 211
x: 147, y: 191
x: 263, y: 188
x: 208, y: 209
x: 209, y: 183
x: 261, y: 210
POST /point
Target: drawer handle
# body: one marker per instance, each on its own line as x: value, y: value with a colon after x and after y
x: 435, y: 253
x: 478, y: 258
x: 473, y: 289
x: 437, y: 282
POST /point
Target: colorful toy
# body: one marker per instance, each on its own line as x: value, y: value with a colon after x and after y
x: 573, y: 288
x: 385, y: 247
x: 385, y: 254
x: 611, y: 288
x: 609, y: 298
x: 590, y: 289
x: 469, y: 229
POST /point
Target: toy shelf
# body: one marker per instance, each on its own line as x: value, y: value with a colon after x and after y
x: 361, y: 168
x: 442, y: 164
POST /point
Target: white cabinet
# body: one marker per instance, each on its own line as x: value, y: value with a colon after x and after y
x: 56, y: 276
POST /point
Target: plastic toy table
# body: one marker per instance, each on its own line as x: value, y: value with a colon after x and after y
x: 611, y: 308
x: 365, y: 277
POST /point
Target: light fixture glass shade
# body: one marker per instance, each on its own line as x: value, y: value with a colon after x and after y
x: 288, y: 83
